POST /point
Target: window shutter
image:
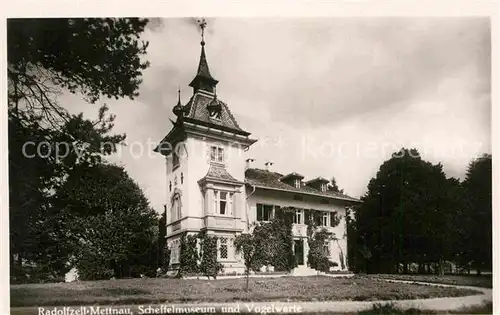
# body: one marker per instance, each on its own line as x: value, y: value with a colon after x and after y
x: 317, y: 217
x: 230, y: 203
x: 306, y: 217
x: 259, y: 212
x: 278, y: 212
x: 213, y: 153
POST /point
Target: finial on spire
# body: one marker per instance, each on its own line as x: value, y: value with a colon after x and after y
x: 178, y: 109
x: 203, y: 79
x: 202, y: 23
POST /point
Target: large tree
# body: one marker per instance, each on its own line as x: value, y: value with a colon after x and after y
x: 405, y: 215
x: 47, y: 57
x: 332, y: 186
x: 476, y: 231
x: 110, y: 220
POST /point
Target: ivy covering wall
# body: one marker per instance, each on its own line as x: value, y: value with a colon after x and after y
x: 317, y: 257
x: 209, y: 266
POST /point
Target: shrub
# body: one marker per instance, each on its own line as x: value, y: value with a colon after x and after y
x: 390, y: 309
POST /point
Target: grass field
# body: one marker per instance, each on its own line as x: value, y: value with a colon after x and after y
x: 137, y: 291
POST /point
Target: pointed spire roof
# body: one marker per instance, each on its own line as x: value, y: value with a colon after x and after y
x: 203, y: 79
x: 203, y: 69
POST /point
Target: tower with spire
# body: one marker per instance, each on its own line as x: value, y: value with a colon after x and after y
x: 203, y: 79
x: 204, y: 154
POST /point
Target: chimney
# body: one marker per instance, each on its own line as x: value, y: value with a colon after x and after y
x: 248, y: 163
x: 268, y: 166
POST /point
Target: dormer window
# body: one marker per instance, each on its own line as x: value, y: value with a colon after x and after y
x: 216, y: 154
x: 293, y: 179
x: 297, y: 183
x: 323, y: 187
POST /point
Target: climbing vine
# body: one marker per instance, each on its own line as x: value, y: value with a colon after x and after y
x: 281, y: 226
x: 188, y: 261
x: 209, y: 266
x: 317, y: 257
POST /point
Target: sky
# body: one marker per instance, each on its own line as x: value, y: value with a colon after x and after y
x: 324, y: 96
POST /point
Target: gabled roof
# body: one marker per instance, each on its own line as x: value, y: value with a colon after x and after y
x: 292, y: 175
x: 196, y: 110
x: 219, y: 173
x: 317, y: 180
x: 271, y: 180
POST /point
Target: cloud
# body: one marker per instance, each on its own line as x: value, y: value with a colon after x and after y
x: 326, y: 96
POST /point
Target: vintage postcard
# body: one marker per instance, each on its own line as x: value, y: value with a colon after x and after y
x: 223, y: 163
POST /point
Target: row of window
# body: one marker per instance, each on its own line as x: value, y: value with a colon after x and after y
x: 301, y: 216
x: 225, y: 249
x: 224, y: 245
x: 223, y: 205
x: 298, y: 183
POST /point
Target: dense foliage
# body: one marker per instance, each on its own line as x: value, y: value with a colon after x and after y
x: 475, y: 230
x: 280, y: 231
x: 412, y: 215
x: 110, y: 222
x: 209, y: 266
x: 188, y: 260
x: 317, y: 257
x: 92, y: 56
x: 47, y: 145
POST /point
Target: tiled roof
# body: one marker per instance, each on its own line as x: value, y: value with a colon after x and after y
x: 203, y: 70
x: 196, y: 109
x: 219, y: 173
x: 203, y: 73
x: 318, y: 179
x: 293, y: 175
x: 271, y: 180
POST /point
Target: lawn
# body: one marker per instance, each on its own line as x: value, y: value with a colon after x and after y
x: 485, y: 281
x: 144, y: 291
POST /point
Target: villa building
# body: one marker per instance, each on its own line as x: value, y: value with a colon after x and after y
x: 212, y: 187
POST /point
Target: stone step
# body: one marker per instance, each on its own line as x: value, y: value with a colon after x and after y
x: 304, y: 271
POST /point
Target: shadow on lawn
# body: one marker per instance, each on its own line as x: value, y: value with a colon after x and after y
x: 390, y: 309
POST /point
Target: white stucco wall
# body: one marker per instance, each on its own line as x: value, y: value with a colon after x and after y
x: 285, y: 199
x: 199, y: 162
x: 194, y: 165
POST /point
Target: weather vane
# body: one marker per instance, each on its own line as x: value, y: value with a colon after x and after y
x: 202, y: 23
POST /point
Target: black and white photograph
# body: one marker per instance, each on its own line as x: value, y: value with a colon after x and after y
x: 202, y: 164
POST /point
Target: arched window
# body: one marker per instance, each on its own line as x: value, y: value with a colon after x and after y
x: 176, y: 212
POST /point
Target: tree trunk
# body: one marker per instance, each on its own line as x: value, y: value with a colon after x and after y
x: 421, y: 268
x: 441, y: 267
x: 247, y: 279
